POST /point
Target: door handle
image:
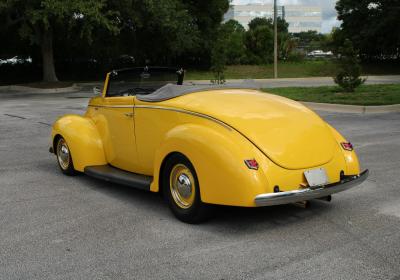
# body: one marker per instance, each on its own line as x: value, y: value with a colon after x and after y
x: 129, y: 115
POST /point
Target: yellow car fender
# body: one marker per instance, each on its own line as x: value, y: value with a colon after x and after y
x: 352, y: 163
x: 217, y: 155
x: 82, y: 138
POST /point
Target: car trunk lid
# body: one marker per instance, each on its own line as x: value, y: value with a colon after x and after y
x: 287, y: 132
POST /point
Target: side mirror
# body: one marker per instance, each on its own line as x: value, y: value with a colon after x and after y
x: 97, y: 91
x: 181, y: 75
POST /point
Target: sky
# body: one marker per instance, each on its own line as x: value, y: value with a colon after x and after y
x: 328, y: 9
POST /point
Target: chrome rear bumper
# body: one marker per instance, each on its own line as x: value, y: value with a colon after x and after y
x: 269, y: 199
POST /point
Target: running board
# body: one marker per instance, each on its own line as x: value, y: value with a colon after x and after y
x: 114, y: 175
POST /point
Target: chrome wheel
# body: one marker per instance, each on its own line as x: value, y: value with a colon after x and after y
x: 182, y: 186
x: 181, y: 190
x: 63, y: 154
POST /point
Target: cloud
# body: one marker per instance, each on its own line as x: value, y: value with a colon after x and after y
x: 327, y: 6
x: 328, y: 24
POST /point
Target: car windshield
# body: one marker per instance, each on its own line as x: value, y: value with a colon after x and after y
x: 142, y: 80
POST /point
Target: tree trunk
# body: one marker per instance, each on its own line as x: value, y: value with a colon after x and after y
x: 49, y: 72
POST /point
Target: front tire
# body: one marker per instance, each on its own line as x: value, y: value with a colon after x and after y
x: 64, y: 157
x: 182, y: 191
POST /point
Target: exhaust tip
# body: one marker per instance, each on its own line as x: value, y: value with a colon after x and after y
x: 326, y: 198
x: 302, y: 204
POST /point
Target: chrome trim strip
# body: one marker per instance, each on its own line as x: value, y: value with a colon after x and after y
x: 167, y: 109
x: 186, y: 112
x: 112, y: 106
x: 269, y: 199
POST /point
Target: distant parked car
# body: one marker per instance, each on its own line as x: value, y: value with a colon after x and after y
x: 319, y: 54
x: 16, y: 60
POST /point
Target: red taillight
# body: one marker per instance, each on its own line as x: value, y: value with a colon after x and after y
x: 347, y: 146
x: 251, y: 164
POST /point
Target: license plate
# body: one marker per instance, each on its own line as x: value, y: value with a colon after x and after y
x: 316, y: 177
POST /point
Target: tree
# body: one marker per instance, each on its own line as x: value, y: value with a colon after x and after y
x: 158, y: 31
x: 311, y: 40
x: 336, y: 40
x: 207, y: 16
x: 38, y: 21
x: 373, y: 27
x: 228, y: 48
x: 259, y: 40
x: 232, y: 34
x: 349, y: 69
x: 75, y: 32
x: 219, y: 57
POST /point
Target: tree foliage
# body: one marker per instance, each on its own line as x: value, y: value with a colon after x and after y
x: 312, y: 40
x: 97, y: 35
x: 259, y: 40
x: 37, y: 21
x: 228, y: 48
x: 373, y: 27
x: 207, y: 15
x: 162, y: 31
x: 232, y: 34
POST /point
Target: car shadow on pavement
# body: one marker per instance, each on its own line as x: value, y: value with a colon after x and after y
x: 226, y: 216
x: 280, y: 215
x: 123, y: 193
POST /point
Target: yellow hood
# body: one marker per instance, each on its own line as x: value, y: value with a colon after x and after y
x: 287, y: 132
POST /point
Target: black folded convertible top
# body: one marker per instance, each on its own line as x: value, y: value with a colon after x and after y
x: 170, y: 91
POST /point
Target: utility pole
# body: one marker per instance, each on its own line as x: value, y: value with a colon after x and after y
x: 275, y: 40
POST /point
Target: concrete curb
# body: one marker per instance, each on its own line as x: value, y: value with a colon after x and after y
x: 90, y: 84
x: 23, y: 89
x: 341, y: 108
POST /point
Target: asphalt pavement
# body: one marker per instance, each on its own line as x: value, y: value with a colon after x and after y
x: 58, y: 227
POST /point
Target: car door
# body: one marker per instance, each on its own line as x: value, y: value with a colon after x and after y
x: 118, y: 113
x: 113, y: 114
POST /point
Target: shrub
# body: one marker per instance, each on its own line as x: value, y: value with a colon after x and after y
x: 348, y: 68
x: 296, y: 56
x: 218, y: 62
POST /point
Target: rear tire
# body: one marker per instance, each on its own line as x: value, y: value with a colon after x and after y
x: 64, y: 157
x: 181, y: 190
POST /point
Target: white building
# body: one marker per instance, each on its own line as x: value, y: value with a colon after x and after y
x: 300, y: 18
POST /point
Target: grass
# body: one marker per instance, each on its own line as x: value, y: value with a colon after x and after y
x: 286, y: 70
x: 364, y: 95
x: 314, y: 68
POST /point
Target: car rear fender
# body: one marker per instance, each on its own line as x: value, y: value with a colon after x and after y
x: 350, y: 157
x: 82, y: 138
x: 217, y: 154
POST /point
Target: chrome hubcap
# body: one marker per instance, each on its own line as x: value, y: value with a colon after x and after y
x: 63, y: 154
x: 182, y: 186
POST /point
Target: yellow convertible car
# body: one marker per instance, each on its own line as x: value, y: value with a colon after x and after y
x: 204, y: 145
